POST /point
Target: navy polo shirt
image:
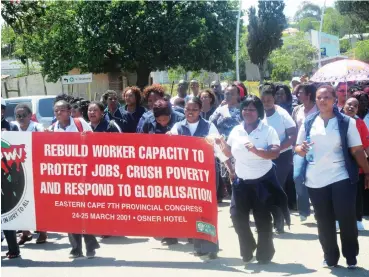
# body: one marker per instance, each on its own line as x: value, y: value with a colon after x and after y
x: 8, y: 126
x: 132, y: 119
x: 150, y: 126
x: 107, y: 126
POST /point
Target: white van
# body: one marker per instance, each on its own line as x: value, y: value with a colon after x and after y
x: 42, y: 108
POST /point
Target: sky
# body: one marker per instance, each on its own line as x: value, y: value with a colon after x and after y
x: 291, y: 6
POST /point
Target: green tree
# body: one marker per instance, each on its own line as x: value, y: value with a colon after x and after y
x: 176, y: 74
x: 296, y: 54
x: 22, y: 17
x: 265, y: 31
x: 361, y: 51
x: 359, y: 9
x: 308, y: 23
x: 308, y: 9
x: 140, y: 36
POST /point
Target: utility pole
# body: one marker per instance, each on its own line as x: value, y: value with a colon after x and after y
x: 238, y: 42
x: 320, y: 35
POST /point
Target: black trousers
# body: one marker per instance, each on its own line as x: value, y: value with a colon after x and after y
x: 283, y: 168
x: 246, y: 199
x: 360, y: 198
x: 76, y: 242
x: 336, y: 201
x: 11, y: 239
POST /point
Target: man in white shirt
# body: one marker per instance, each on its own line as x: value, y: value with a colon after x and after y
x: 182, y: 91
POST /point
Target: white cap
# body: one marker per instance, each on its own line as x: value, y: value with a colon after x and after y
x: 3, y: 103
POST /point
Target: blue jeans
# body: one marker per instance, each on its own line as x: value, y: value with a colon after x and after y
x: 303, y: 202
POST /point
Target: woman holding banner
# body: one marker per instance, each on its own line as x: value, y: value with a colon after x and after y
x: 23, y: 114
x: 254, y: 145
x: 194, y: 125
x: 160, y: 122
x: 65, y: 123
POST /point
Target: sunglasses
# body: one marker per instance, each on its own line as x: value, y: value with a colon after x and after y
x: 20, y: 116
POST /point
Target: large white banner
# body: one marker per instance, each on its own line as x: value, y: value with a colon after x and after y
x: 17, y: 197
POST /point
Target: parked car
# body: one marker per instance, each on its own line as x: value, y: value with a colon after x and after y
x: 41, y: 106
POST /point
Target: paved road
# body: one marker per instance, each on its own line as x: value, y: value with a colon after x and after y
x: 298, y: 252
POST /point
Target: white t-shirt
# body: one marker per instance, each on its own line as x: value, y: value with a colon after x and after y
x: 280, y: 121
x: 32, y: 127
x: 301, y: 114
x: 72, y: 127
x: 329, y: 164
x: 212, y: 131
x: 177, y: 96
x: 249, y: 166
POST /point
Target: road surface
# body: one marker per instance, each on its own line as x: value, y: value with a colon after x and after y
x: 298, y: 252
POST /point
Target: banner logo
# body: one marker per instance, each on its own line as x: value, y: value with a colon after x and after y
x: 13, y: 181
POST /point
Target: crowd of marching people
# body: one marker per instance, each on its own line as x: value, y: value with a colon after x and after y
x: 289, y: 147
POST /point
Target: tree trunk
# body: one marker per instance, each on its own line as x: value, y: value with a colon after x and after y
x: 143, y: 74
x: 261, y: 72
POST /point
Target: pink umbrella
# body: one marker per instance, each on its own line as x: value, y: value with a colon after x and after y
x: 342, y: 71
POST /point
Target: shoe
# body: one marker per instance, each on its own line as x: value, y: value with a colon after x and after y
x: 24, y: 239
x: 353, y: 266
x: 75, y: 255
x: 169, y: 241
x: 279, y: 231
x: 91, y: 254
x: 213, y: 256
x: 303, y: 218
x: 249, y: 261
x: 337, y: 226
x: 199, y: 254
x: 325, y: 265
x: 360, y: 226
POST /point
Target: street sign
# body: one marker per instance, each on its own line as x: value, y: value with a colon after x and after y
x: 76, y: 79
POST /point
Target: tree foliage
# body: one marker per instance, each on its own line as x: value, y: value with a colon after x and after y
x: 265, y: 31
x: 308, y: 23
x: 361, y: 51
x: 359, y: 9
x: 308, y: 9
x: 139, y: 36
x: 296, y: 55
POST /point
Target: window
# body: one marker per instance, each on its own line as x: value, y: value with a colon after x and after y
x: 10, y: 109
x: 45, y: 107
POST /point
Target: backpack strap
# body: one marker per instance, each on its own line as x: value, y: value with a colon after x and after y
x: 78, y: 124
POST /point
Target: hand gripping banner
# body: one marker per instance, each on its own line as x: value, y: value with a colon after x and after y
x: 109, y: 184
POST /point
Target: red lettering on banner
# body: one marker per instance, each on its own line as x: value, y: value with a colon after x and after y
x: 125, y: 184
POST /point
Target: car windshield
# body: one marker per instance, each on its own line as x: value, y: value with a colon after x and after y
x: 45, y: 107
x: 10, y: 107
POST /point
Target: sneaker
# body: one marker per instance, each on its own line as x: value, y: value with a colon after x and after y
x: 337, y: 226
x: 75, y: 255
x: 249, y: 261
x: 91, y: 254
x: 169, y: 241
x: 360, y: 226
x: 213, y: 256
x: 279, y: 231
x: 325, y: 265
x: 303, y: 218
x: 353, y: 266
